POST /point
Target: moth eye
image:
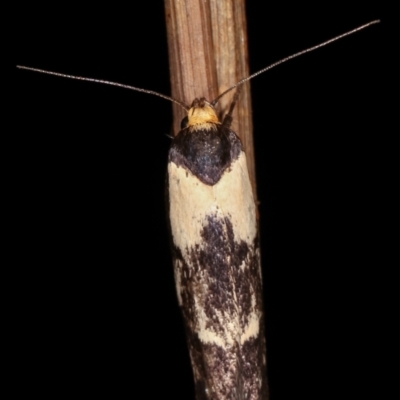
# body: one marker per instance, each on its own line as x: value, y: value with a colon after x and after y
x: 184, y: 123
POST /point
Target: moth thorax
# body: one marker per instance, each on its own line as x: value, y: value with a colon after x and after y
x: 203, y: 114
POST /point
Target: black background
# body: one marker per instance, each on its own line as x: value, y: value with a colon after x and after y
x: 101, y: 318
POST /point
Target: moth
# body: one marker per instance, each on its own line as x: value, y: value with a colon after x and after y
x: 215, y: 247
x: 216, y: 256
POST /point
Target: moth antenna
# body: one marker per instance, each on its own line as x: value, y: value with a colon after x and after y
x: 81, y: 78
x: 283, y: 60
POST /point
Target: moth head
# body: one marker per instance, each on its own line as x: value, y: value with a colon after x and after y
x: 201, y: 112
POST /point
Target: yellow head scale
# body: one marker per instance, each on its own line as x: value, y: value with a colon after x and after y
x: 202, y: 115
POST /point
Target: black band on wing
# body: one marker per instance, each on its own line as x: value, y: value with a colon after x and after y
x: 206, y: 153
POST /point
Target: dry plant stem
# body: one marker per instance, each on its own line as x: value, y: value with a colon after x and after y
x: 208, y: 53
x: 207, y: 42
